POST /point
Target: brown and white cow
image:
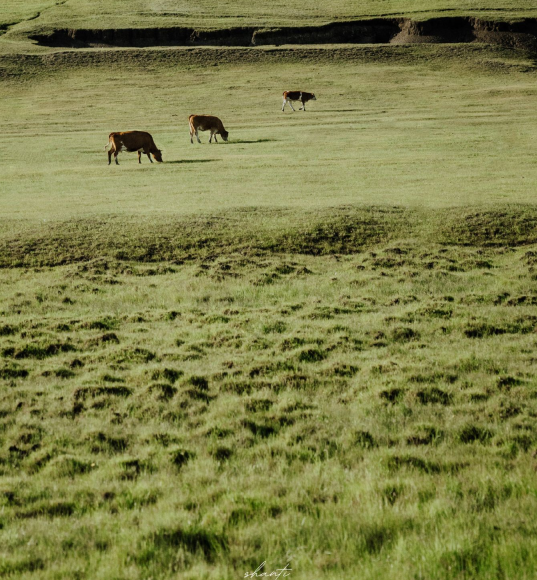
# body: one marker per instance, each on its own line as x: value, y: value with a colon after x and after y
x: 301, y: 96
x: 139, y: 141
x: 206, y: 123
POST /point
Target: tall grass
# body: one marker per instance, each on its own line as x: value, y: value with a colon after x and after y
x: 335, y: 412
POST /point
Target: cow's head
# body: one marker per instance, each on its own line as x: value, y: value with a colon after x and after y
x: 224, y: 134
x: 313, y: 97
x: 157, y: 154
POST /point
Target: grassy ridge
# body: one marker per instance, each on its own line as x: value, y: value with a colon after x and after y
x: 251, y: 232
x: 341, y: 230
x: 42, y: 17
x: 211, y: 14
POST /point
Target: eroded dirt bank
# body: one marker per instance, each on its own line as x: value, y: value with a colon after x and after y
x: 521, y: 34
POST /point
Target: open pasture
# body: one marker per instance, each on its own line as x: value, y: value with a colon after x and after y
x: 413, y: 127
x: 312, y: 344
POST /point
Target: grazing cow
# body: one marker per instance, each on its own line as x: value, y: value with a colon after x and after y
x: 206, y: 123
x: 301, y: 96
x: 132, y: 141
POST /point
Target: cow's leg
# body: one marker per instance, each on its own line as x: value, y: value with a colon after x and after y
x: 215, y: 138
x: 197, y: 136
x: 284, y: 101
x: 291, y: 105
x: 110, y: 156
x: 140, y: 156
x: 148, y: 155
x: 211, y: 137
x: 115, y: 157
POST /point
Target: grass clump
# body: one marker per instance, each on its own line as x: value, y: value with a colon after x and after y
x: 38, y: 351
x: 162, y: 544
x: 472, y: 433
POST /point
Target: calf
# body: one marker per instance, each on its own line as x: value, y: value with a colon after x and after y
x: 132, y: 141
x: 301, y: 96
x: 206, y: 123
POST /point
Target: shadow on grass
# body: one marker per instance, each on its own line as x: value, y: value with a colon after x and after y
x: 331, y: 112
x: 244, y: 141
x: 192, y: 161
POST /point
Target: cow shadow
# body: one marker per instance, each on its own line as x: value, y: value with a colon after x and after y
x: 337, y: 111
x: 192, y: 161
x: 248, y: 142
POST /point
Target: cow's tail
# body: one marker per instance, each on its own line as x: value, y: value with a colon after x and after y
x: 109, y: 144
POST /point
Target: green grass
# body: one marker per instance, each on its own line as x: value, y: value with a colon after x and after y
x: 211, y: 14
x: 313, y: 344
x: 14, y: 11
x: 340, y: 413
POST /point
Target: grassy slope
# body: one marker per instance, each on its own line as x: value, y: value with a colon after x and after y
x: 15, y: 11
x: 208, y: 13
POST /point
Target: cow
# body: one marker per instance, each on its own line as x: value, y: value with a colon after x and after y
x: 139, y: 141
x: 301, y: 96
x: 206, y: 123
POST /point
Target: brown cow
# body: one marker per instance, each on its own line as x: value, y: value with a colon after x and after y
x: 132, y: 141
x: 301, y: 96
x: 206, y: 123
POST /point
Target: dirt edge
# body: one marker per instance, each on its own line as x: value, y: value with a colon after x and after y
x: 519, y: 34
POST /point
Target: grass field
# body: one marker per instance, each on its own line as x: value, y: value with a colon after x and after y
x: 313, y: 344
x: 411, y: 127
x: 211, y: 14
x: 351, y: 415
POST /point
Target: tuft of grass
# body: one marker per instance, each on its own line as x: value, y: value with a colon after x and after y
x: 38, y: 351
x: 193, y: 539
x: 472, y: 433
